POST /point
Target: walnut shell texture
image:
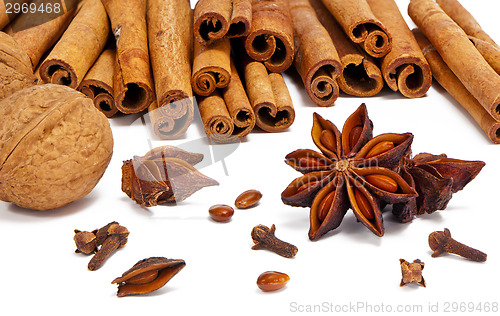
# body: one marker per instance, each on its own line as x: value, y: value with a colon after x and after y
x: 54, y: 146
x: 15, y: 67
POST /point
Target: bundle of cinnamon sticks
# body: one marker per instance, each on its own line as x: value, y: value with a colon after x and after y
x: 463, y: 58
x: 157, y: 55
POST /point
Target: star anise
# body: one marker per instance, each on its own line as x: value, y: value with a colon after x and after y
x: 353, y: 171
x: 435, y: 178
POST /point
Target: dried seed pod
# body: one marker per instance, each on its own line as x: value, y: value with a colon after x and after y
x: 148, y: 275
x: 221, y: 212
x: 248, y: 199
x: 272, y: 281
x: 54, y: 146
x: 412, y: 272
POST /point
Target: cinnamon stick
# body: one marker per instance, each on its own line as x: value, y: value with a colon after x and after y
x: 98, y: 83
x: 360, y: 75
x: 6, y: 18
x: 447, y: 79
x: 211, y: 66
x: 37, y: 33
x: 171, y: 47
x: 459, y: 53
x: 404, y: 68
x: 490, y: 52
x: 316, y: 58
x: 268, y: 95
x: 227, y: 117
x: 271, y: 35
x: 132, y: 78
x: 216, y: 19
x: 464, y: 19
x: 78, y: 48
x: 361, y: 25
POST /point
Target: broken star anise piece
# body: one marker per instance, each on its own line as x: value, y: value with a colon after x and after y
x: 164, y: 175
x: 435, y: 178
x: 353, y: 171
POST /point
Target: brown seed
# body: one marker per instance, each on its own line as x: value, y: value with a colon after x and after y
x: 382, y: 182
x: 355, y: 135
x: 379, y: 149
x: 363, y: 205
x: 325, y: 205
x: 272, y: 281
x: 327, y: 138
x: 221, y: 212
x: 310, y: 162
x: 248, y: 199
x: 144, y: 277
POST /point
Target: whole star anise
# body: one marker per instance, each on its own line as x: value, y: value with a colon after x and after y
x: 435, y: 178
x: 353, y: 171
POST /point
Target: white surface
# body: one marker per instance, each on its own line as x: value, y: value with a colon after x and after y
x: 351, y: 266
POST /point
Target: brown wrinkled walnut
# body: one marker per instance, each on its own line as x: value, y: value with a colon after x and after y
x: 54, y: 147
x: 15, y: 67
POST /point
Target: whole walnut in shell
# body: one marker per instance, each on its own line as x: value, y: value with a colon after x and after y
x: 15, y: 67
x: 54, y: 146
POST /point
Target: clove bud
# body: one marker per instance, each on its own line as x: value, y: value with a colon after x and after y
x: 441, y: 242
x: 263, y: 237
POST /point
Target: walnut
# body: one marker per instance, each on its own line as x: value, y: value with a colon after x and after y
x: 54, y: 146
x: 15, y: 67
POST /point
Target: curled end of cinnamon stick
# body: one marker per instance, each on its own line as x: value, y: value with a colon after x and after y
x: 373, y: 36
x: 411, y: 76
x: 172, y: 119
x: 360, y: 76
x: 101, y: 94
x: 135, y: 97
x: 321, y: 84
x: 58, y: 72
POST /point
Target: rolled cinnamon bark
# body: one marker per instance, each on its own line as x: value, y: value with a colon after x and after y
x: 211, y: 66
x: 215, y: 19
x: 98, y: 83
x: 360, y: 75
x: 79, y: 47
x: 361, y: 25
x: 271, y: 34
x: 490, y: 52
x: 132, y: 78
x: 447, y: 79
x: 464, y: 19
x: 268, y: 95
x: 404, y: 68
x: 171, y: 46
x: 459, y: 53
x: 316, y: 58
x: 227, y: 117
x: 36, y: 37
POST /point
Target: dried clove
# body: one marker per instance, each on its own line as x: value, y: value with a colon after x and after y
x: 412, y: 272
x: 103, y: 242
x: 263, y: 237
x: 85, y: 242
x: 441, y: 242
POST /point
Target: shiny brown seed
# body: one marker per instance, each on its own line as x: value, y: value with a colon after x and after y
x: 307, y: 185
x: 144, y: 277
x: 221, y: 212
x: 327, y: 138
x: 355, y: 135
x: 272, y: 281
x: 248, y: 199
x: 363, y: 205
x: 379, y: 149
x: 324, y: 205
x: 382, y: 182
x: 310, y: 162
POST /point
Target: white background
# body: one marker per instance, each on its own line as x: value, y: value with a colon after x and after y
x: 42, y: 274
